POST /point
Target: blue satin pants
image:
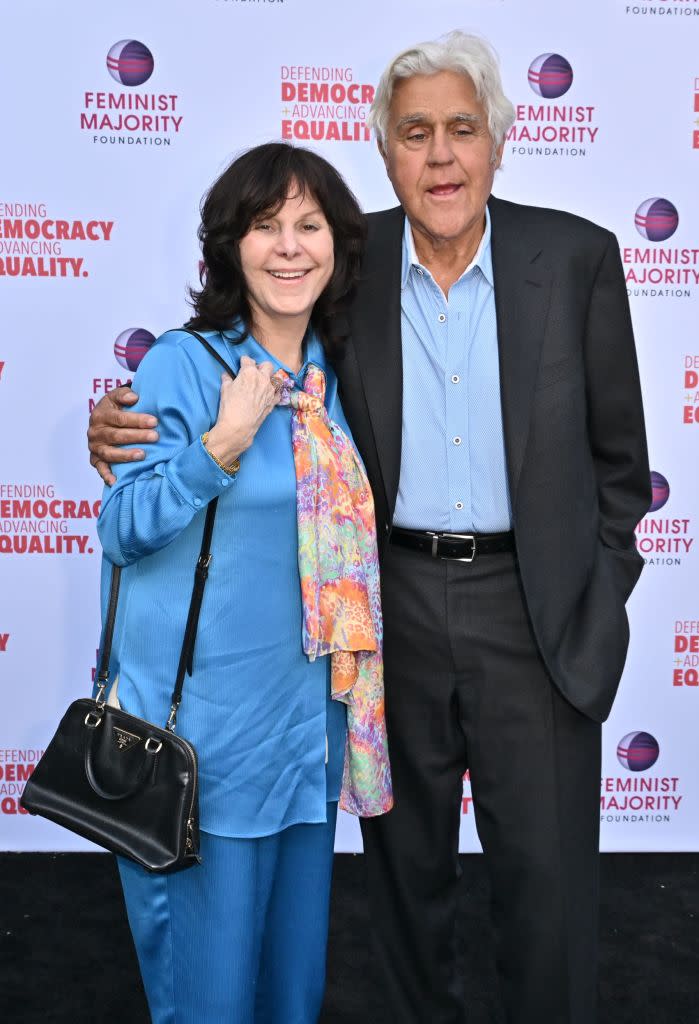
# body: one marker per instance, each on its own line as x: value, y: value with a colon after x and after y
x: 240, y: 939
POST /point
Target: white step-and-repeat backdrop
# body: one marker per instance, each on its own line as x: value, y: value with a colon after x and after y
x: 114, y: 120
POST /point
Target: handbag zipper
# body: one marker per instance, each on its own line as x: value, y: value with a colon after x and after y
x: 189, y: 842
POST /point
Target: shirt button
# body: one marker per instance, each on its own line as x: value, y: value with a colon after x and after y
x: 459, y: 505
x: 441, y: 318
x: 420, y: 271
x: 224, y: 482
x: 197, y: 501
x: 455, y: 379
x: 457, y: 440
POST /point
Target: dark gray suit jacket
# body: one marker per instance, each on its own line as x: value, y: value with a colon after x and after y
x: 573, y: 419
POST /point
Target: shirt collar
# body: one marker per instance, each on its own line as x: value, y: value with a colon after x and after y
x: 483, y: 258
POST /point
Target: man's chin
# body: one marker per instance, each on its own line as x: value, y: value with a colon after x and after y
x: 446, y: 230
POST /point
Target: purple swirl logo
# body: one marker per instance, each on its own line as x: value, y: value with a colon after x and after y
x: 661, y: 491
x: 131, y: 346
x: 550, y: 75
x: 656, y: 219
x: 130, y: 62
x: 638, y: 751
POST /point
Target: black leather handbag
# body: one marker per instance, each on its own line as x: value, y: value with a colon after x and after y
x: 116, y: 779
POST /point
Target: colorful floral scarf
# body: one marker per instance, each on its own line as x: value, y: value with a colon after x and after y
x: 339, y: 569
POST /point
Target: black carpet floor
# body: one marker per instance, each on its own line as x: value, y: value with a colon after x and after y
x: 66, y: 955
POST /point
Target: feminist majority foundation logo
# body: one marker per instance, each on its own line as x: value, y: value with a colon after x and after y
x: 638, y: 751
x: 550, y: 75
x: 131, y: 346
x: 660, y: 271
x: 661, y: 491
x: 663, y: 540
x: 130, y: 62
x: 637, y: 798
x: 322, y: 103
x: 131, y: 117
x: 552, y: 129
x: 657, y: 219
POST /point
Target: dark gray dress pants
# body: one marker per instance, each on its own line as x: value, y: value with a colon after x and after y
x: 466, y: 688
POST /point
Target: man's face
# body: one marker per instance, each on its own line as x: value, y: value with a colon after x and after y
x: 439, y: 156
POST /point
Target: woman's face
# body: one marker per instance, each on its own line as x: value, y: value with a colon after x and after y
x: 287, y: 260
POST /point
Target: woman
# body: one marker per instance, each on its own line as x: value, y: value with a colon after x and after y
x: 290, y: 617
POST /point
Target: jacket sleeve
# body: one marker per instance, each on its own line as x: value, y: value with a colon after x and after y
x: 154, y: 500
x: 615, y: 415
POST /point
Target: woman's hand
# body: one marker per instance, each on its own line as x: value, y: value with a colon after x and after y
x: 245, y: 404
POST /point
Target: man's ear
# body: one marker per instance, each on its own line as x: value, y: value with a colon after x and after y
x: 498, y: 155
x: 382, y: 151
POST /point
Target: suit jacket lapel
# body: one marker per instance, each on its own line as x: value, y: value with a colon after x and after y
x: 376, y: 336
x: 522, y: 295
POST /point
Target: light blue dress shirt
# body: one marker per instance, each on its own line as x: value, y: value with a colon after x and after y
x: 256, y: 709
x: 452, y: 472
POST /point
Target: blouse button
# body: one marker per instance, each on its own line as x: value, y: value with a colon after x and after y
x: 196, y: 501
x: 224, y: 482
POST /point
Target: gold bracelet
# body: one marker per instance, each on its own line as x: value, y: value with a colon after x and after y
x: 230, y: 470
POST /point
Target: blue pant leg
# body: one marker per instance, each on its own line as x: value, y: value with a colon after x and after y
x: 292, y: 970
x: 198, y: 933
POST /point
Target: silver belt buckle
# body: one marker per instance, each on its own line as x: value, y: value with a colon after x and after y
x: 456, y: 536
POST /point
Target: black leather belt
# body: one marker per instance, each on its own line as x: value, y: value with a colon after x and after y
x: 463, y: 547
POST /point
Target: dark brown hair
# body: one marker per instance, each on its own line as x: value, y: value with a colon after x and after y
x: 255, y: 185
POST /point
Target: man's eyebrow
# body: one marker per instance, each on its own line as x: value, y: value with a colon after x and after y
x: 418, y: 118
x: 412, y: 119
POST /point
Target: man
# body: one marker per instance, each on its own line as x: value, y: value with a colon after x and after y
x: 492, y: 388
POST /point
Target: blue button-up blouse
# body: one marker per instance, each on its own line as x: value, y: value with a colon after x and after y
x: 270, y: 742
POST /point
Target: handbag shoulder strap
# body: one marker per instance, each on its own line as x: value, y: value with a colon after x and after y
x: 210, y: 349
x: 201, y: 572
x: 108, y: 634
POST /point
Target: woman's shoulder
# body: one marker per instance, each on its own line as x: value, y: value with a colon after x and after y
x: 178, y: 371
x: 177, y: 349
x: 182, y: 340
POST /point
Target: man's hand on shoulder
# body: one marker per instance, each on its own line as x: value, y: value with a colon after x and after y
x: 112, y: 426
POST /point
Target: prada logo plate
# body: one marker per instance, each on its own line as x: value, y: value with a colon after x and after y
x: 125, y: 740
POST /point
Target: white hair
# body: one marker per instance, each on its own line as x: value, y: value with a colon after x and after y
x: 456, y: 51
